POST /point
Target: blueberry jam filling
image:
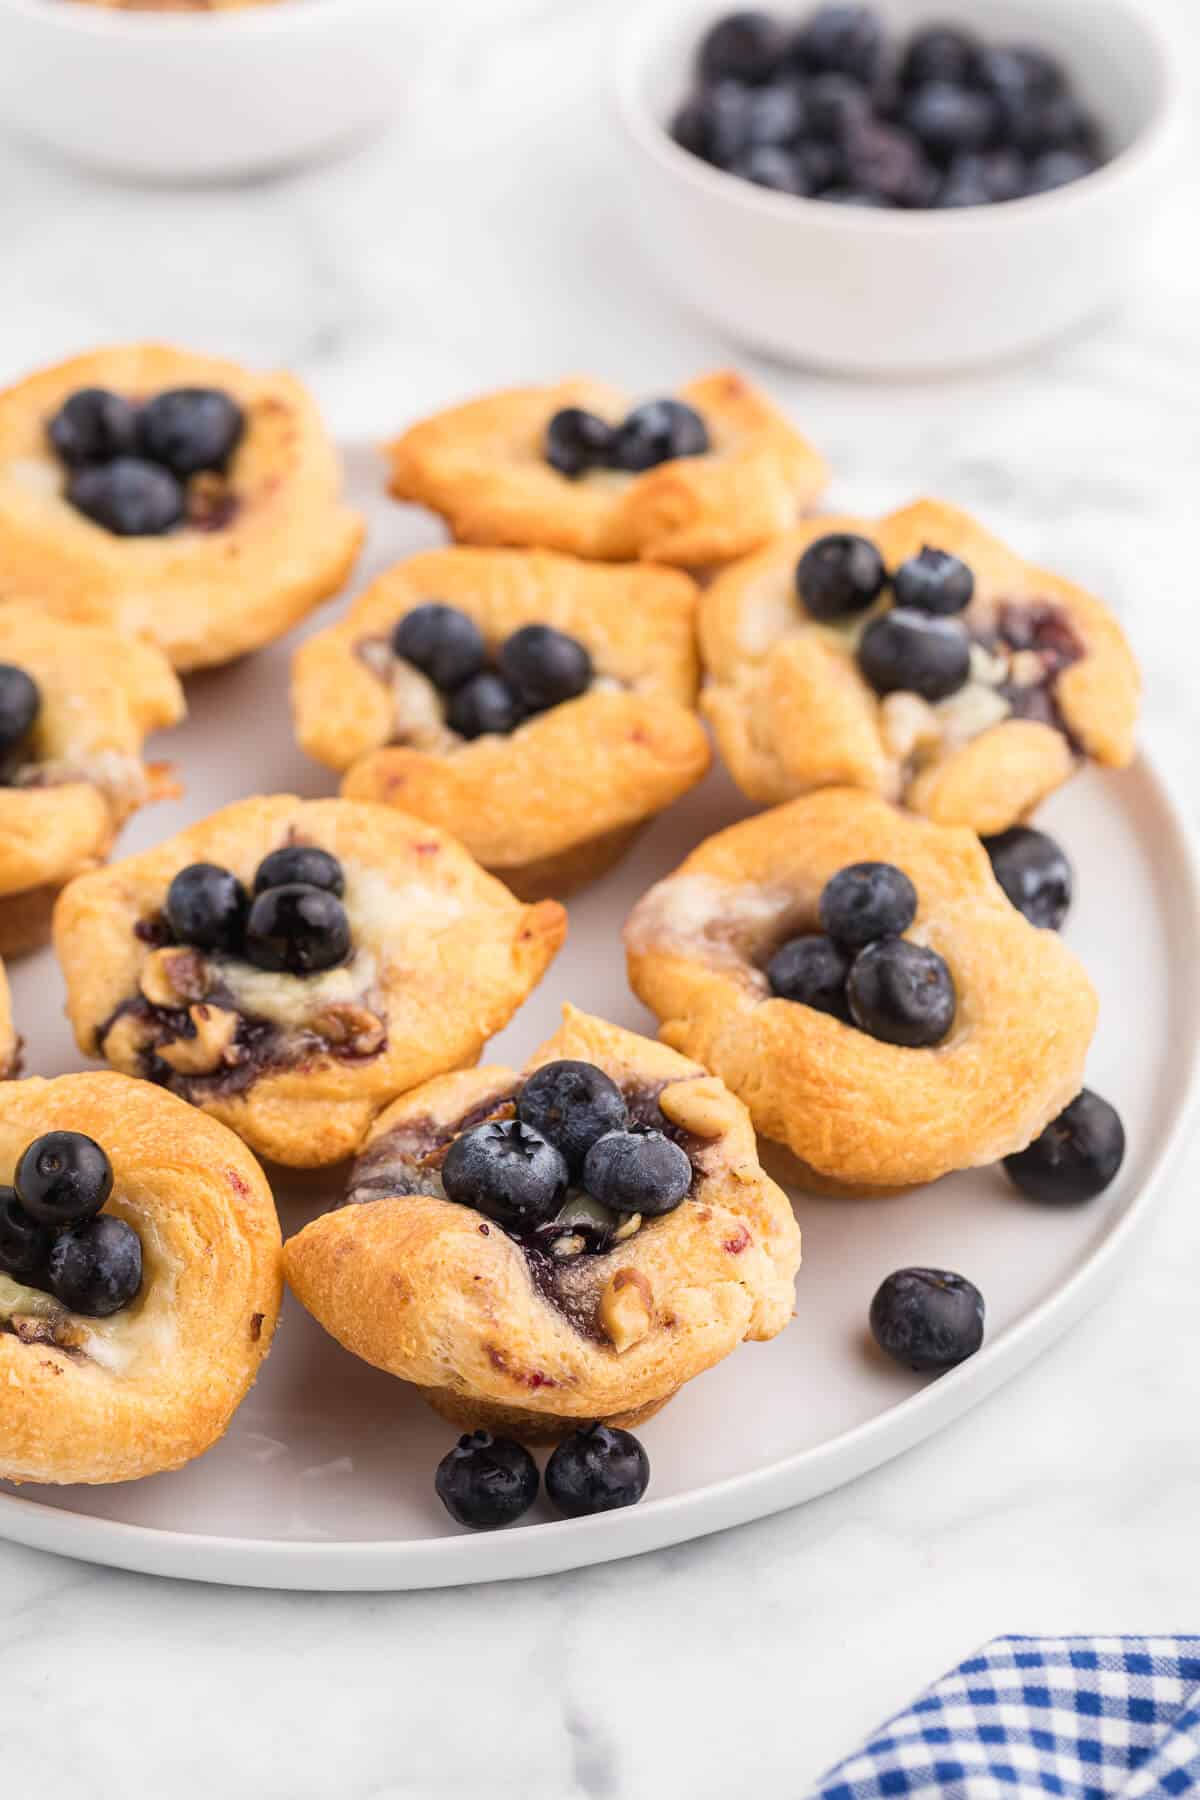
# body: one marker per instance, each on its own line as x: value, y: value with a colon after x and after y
x: 139, y: 470
x: 55, y: 1237
x: 826, y: 107
x: 20, y: 704
x: 656, y: 432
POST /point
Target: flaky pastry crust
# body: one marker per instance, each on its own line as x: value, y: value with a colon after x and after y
x: 791, y: 711
x: 481, y: 467
x: 570, y: 785
x: 434, y: 1293
x: 443, y: 956
x: 9, y: 1042
x: 203, y: 593
x: 854, y: 1109
x: 98, y: 1400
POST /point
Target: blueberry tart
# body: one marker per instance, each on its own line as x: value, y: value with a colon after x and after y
x: 140, y: 1279
x: 860, y: 979
x: 291, y: 967
x: 917, y: 658
x: 537, y: 706
x: 689, y: 479
x: 172, y: 496
x: 549, y: 1249
x: 76, y: 703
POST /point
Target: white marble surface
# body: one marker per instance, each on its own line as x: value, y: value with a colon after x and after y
x: 485, y: 241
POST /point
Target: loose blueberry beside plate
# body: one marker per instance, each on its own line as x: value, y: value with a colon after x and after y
x: 1034, y: 872
x: 811, y: 970
x: 901, y: 993
x: 866, y: 901
x: 1076, y: 1157
x: 839, y: 575
x: 20, y: 703
x: 637, y: 1172
x: 297, y: 930
x: 444, y: 643
x: 206, y: 906
x: 486, y: 1482
x: 572, y: 1104
x: 507, y: 1171
x: 597, y: 1469
x: 95, y: 1268
x: 927, y: 1319
x: 63, y: 1178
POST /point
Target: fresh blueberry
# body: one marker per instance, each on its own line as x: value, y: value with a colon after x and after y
x: 768, y: 166
x: 884, y: 160
x: 63, y: 1178
x: 725, y: 122
x: 1059, y: 123
x: 297, y: 930
x: 484, y: 705
x: 865, y: 902
x: 777, y: 113
x: 933, y: 581
x: 983, y: 178
x: 513, y: 1174
x: 811, y: 970
x: 1076, y: 1156
x: 303, y: 863
x: 24, y: 1244
x: 444, y: 643
x: 20, y: 703
x: 637, y: 1172
x: 597, y: 1469
x: 915, y: 652
x: 901, y: 993
x: 844, y: 39
x: 207, y: 906
x: 836, y: 105
x: 1059, y: 168
x: 658, y: 432
x: 927, y: 1319
x: 839, y: 574
x: 938, y: 53
x: 544, y: 667
x: 1005, y: 70
x: 92, y: 426
x: 948, y: 118
x: 486, y: 1482
x: 190, y: 429
x: 572, y: 1104
x: 819, y: 167
x: 95, y: 1268
x: 689, y: 128
x: 577, y: 440
x: 128, y: 496
x: 1034, y: 872
x: 745, y: 46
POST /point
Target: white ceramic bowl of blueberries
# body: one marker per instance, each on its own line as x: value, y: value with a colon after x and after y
x: 898, y: 188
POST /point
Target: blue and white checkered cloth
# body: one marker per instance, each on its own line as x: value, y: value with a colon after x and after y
x: 1080, y: 1718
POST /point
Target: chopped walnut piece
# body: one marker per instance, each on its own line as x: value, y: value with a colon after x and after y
x: 908, y: 724
x: 626, y: 1309
x: 352, y: 1028
x: 703, y: 1107
x: 630, y: 1226
x: 174, y: 977
x: 213, y: 1046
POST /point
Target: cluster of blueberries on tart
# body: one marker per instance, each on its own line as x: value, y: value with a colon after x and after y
x: 537, y: 668
x: 829, y: 109
x: 658, y: 431
x: 54, y: 1234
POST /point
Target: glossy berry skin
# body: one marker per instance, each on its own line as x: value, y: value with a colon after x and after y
x: 865, y: 902
x: 658, y: 432
x: 637, y: 1172
x: 948, y: 119
x: 768, y: 166
x: 507, y: 1171
x: 724, y: 124
x: 743, y: 46
x: 572, y: 1104
x: 837, y: 105
x: 443, y: 642
x: 297, y: 930
x: 207, y: 906
x: 190, y: 429
x: 939, y: 53
x: 1007, y: 70
x: 96, y: 1268
x: 24, y: 1244
x: 486, y: 1482
x: 1075, y: 1158
x: 484, y: 705
x: 886, y: 161
x: 847, y: 40
x: 544, y: 667
x: 577, y: 440
x: 901, y: 993
x: 927, y: 1319
x: 904, y: 651
x: 933, y: 581
x: 303, y: 863
x: 129, y: 497
x: 1059, y: 168
x: 839, y: 575
x: 20, y: 704
x: 1034, y: 872
x: 63, y: 1178
x: 92, y: 426
x: 984, y: 178
x: 595, y: 1470
x: 811, y: 970
x: 776, y: 114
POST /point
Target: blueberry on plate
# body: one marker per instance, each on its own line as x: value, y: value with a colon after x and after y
x: 297, y: 930
x: 744, y: 46
x: 1034, y: 872
x: 768, y: 166
x: 901, y: 993
x: 206, y: 906
x: 507, y: 1171
x: 486, y: 1482
x: 92, y: 426
x: 933, y: 581
x: 572, y: 1104
x: 20, y: 703
x: 844, y: 39
x: 865, y: 902
x: 637, y: 1172
x: 24, y: 1244
x: 1075, y: 1158
x: 128, y: 496
x: 95, y: 1268
x: 190, y: 429
x: 544, y: 667
x: 938, y: 53
x: 597, y: 1469
x: 915, y: 652
x: 927, y: 1319
x: 1059, y: 168
x: 443, y: 642
x: 812, y: 971
x: 63, y: 1178
x: 659, y: 432
x: 948, y: 118
x: 483, y: 706
x: 840, y: 574
x: 303, y: 863
x: 577, y: 440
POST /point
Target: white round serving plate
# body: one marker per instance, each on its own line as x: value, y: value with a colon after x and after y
x: 325, y: 1478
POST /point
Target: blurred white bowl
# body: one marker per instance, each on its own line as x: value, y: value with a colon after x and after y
x: 192, y: 96
x: 907, y: 293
